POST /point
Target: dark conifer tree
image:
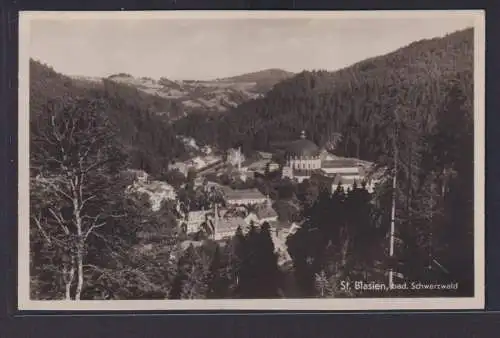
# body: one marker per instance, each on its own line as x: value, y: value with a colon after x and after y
x: 268, y: 272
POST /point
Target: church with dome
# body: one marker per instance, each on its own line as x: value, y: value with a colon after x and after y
x: 303, y: 159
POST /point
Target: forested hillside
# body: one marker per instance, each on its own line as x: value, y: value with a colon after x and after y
x: 264, y: 80
x: 140, y: 121
x: 358, y: 101
x: 410, y: 111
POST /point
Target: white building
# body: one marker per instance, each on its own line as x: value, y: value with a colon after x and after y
x: 259, y: 218
x: 264, y: 155
x: 194, y: 219
x: 220, y: 227
x: 157, y: 191
x: 303, y: 154
x: 273, y: 166
x: 181, y: 167
x: 348, y: 182
x: 207, y: 150
x: 341, y: 166
x: 263, y: 213
x: 138, y: 175
x: 304, y: 159
x: 235, y: 157
x: 196, y: 163
x: 244, y: 197
x: 226, y: 227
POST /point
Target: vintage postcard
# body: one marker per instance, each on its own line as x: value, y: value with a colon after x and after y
x: 239, y: 160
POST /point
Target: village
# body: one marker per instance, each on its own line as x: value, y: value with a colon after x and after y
x: 238, y: 159
x: 233, y: 202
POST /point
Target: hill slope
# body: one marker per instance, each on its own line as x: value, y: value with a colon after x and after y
x: 357, y: 101
x: 142, y: 121
x: 264, y: 80
x: 208, y: 96
x: 413, y: 108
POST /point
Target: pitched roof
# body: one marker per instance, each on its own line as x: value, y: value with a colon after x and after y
x: 228, y: 224
x: 157, y: 186
x: 325, y: 155
x: 244, y: 194
x: 340, y: 163
x: 234, y: 212
x: 350, y: 175
x: 265, y: 155
x: 260, y: 164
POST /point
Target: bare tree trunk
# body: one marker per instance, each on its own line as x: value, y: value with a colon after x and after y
x: 68, y: 291
x: 77, y: 205
x: 79, y: 263
x: 394, y: 198
x: 68, y: 280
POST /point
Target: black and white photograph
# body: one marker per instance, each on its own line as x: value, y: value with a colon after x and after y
x: 239, y: 160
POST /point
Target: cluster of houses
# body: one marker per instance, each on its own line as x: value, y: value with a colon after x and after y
x: 303, y: 159
x: 196, y: 164
x: 243, y: 208
x: 156, y: 191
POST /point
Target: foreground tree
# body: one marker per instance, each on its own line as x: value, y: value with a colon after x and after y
x: 192, y: 280
x: 74, y: 163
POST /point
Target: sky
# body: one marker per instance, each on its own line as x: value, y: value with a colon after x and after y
x: 203, y: 49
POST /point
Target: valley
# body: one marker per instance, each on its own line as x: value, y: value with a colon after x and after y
x: 246, y: 186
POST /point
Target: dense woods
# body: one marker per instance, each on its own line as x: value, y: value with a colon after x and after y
x: 358, y: 101
x: 140, y: 120
x: 410, y: 112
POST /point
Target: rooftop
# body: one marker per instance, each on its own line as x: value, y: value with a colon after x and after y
x: 265, y: 156
x: 340, y: 163
x: 260, y: 164
x: 229, y: 224
x: 235, y: 212
x: 302, y: 147
x: 199, y: 214
x: 244, y: 194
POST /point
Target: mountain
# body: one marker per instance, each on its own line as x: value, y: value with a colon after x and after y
x: 216, y: 96
x: 264, y: 80
x: 142, y: 121
x: 267, y: 75
x: 411, y: 112
x: 357, y: 102
x: 143, y: 109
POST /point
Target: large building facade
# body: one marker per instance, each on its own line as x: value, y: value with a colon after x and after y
x: 303, y: 159
x: 303, y: 154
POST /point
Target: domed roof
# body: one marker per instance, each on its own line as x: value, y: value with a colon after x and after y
x: 302, y: 148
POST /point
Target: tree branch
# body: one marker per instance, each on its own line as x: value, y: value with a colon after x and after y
x: 60, y: 221
x: 92, y: 228
x: 39, y: 226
